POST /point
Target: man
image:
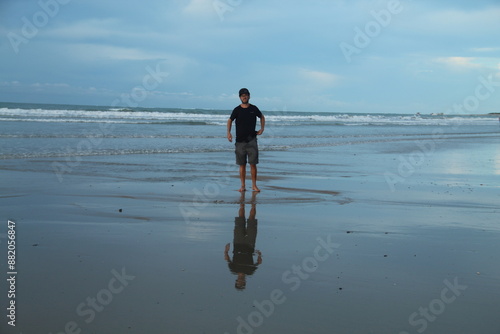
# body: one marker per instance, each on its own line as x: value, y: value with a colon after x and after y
x: 246, y: 137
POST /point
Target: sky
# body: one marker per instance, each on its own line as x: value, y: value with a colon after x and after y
x: 393, y: 56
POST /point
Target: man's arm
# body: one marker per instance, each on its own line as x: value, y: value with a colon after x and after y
x: 262, y: 125
x: 259, y: 258
x: 229, y: 125
x: 226, y: 255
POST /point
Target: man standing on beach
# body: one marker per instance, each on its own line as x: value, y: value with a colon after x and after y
x: 246, y: 137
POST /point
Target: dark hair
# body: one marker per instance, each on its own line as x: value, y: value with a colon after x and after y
x: 244, y: 91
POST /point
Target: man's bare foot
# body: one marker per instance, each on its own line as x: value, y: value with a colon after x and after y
x: 242, y: 189
x: 254, y: 188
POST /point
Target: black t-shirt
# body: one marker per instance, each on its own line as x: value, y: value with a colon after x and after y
x: 246, y: 120
x: 243, y: 260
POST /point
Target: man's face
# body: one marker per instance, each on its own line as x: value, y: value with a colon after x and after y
x: 244, y: 98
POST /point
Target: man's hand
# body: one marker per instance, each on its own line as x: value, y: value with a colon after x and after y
x: 259, y: 258
x: 226, y: 255
x: 229, y: 125
x: 262, y: 125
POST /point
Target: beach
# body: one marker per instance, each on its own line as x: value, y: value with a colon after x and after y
x: 365, y: 224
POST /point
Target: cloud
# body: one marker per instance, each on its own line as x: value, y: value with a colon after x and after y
x: 87, y: 29
x: 91, y: 52
x: 485, y: 49
x: 469, y: 63
x: 286, y: 54
x: 199, y: 8
x: 458, y: 63
x: 50, y: 85
x: 318, y: 77
x: 453, y: 20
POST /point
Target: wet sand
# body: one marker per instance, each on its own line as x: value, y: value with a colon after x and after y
x: 135, y: 244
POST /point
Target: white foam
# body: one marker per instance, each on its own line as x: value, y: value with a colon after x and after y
x: 118, y: 115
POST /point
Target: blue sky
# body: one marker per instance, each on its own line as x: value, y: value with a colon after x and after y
x: 390, y: 56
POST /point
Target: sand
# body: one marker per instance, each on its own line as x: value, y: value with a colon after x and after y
x: 353, y: 240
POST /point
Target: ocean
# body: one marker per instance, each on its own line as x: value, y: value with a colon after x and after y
x: 362, y: 220
x: 52, y: 130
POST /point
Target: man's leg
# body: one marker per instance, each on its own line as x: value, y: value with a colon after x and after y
x: 241, y: 160
x: 243, y: 173
x: 253, y: 171
x: 253, y: 160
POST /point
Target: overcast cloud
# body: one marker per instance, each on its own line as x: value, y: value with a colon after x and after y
x: 341, y: 56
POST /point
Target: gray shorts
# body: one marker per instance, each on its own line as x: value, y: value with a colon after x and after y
x: 249, y: 149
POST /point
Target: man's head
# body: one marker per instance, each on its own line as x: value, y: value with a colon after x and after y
x: 241, y: 282
x: 244, y: 95
x: 244, y: 91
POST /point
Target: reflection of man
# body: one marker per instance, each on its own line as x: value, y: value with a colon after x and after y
x: 245, y: 235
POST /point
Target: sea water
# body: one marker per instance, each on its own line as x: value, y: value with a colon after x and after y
x: 44, y: 131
